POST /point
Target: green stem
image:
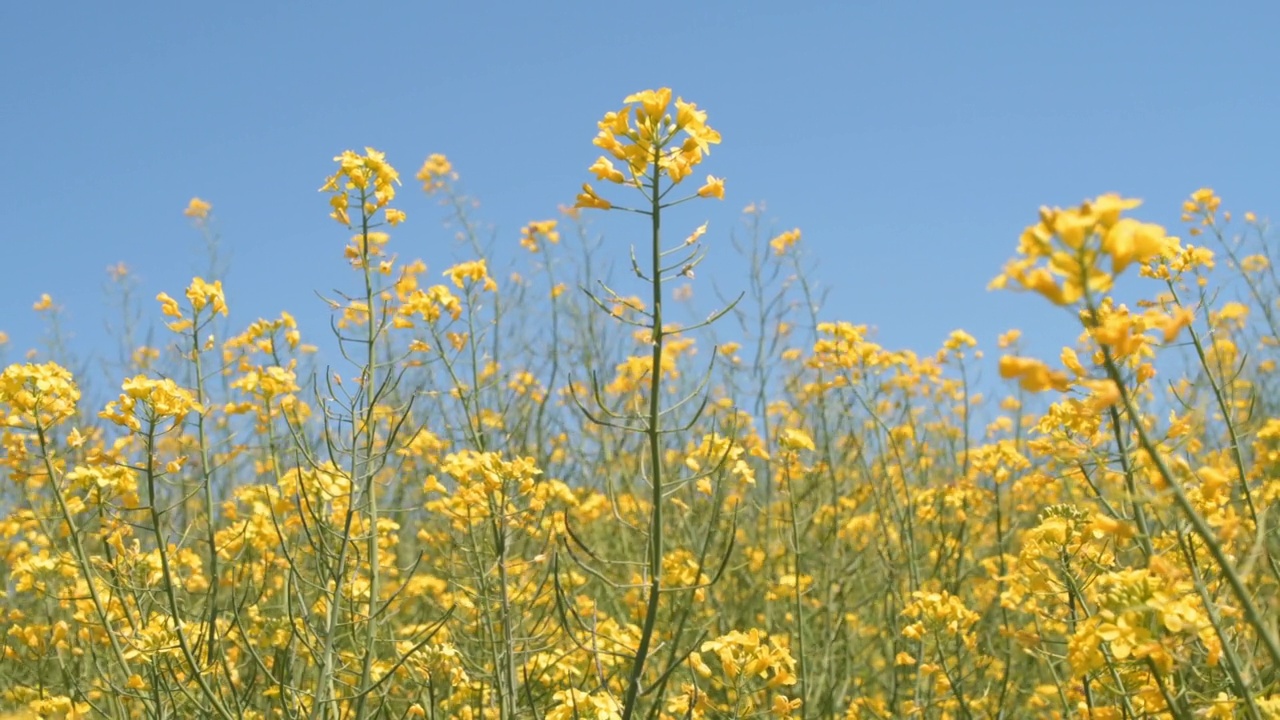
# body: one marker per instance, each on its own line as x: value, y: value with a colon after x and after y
x: 364, y: 466
x: 206, y: 477
x: 653, y: 431
x: 162, y: 549
x: 799, y: 600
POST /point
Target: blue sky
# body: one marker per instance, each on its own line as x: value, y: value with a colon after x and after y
x: 910, y: 141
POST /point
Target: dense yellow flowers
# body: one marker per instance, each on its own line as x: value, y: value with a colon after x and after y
x: 500, y: 505
x: 436, y: 172
x: 1080, y: 250
x: 202, y: 294
x: 37, y: 395
x: 368, y: 179
x: 644, y: 138
x: 148, y: 400
x: 473, y: 271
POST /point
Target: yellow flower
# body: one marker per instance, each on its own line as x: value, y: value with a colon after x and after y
x: 1107, y: 208
x: 1129, y: 240
x: 364, y: 246
x: 436, y: 171
x: 162, y: 398
x: 1105, y: 393
x: 1061, y: 256
x: 784, y: 242
x: 369, y: 177
x: 782, y: 707
x: 1203, y: 200
x: 653, y: 102
x: 651, y: 142
x: 1173, y: 324
x: 959, y: 340
x: 202, y: 294
x: 198, y: 209
x: 1008, y: 338
x: 37, y: 395
x: 794, y: 439
x: 589, y: 199
x: 539, y: 230
x: 576, y: 704
x: 713, y: 187
x: 697, y: 233
x: 694, y: 122
x: 604, y: 170
x: 1033, y: 375
x: 473, y: 270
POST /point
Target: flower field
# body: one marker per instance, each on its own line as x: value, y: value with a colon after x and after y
x: 538, y: 497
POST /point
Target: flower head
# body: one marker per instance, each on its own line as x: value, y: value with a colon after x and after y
x: 436, y: 172
x: 37, y: 395
x: 368, y: 179
x: 713, y: 187
x: 1062, y: 256
x: 197, y: 209
x: 532, y: 234
x: 648, y: 142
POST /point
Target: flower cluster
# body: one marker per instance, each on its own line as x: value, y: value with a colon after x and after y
x: 643, y: 136
x: 37, y: 395
x: 149, y: 401
x: 367, y: 179
x: 1075, y: 251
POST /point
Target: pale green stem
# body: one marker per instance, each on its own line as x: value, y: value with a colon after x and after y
x: 653, y: 431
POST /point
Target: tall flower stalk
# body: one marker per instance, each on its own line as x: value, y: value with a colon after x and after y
x: 657, y: 152
x: 370, y: 181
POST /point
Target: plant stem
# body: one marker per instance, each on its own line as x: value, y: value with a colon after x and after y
x: 653, y: 431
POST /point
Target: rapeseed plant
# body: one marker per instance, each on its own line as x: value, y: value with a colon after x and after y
x: 516, y: 500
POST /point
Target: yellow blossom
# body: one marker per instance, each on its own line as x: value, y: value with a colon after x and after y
x: 1033, y: 375
x: 536, y: 231
x: 198, y: 209
x: 435, y: 172
x: 796, y: 439
x: 367, y: 179
x: 202, y: 294
x: 589, y: 199
x: 785, y: 241
x: 713, y: 187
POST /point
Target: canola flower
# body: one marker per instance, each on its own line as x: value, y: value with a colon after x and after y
x: 522, y: 502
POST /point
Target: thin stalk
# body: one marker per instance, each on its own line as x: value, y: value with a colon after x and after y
x: 206, y: 477
x: 364, y: 465
x: 166, y: 569
x: 653, y: 431
x: 801, y: 664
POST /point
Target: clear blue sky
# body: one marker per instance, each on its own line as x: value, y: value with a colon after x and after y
x: 911, y: 141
